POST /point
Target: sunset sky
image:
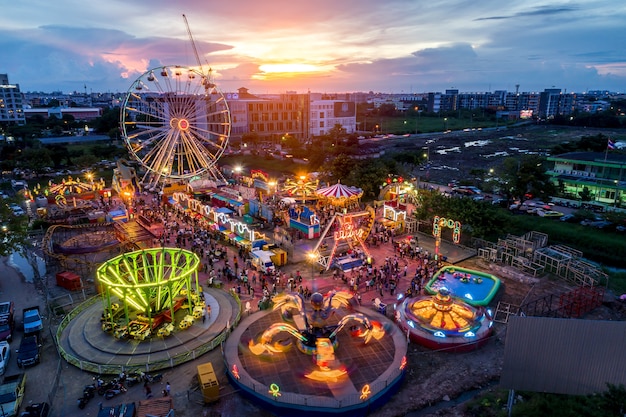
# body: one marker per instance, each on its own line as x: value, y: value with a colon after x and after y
x: 273, y: 46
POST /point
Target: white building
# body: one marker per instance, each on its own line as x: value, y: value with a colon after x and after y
x: 325, y: 114
x: 11, y: 107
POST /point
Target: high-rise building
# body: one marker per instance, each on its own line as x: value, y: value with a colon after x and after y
x: 11, y: 107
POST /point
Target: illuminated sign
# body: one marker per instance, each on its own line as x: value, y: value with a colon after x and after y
x: 240, y: 228
x: 275, y: 390
x: 257, y: 173
x: 348, y: 231
x: 440, y: 222
x: 235, y: 372
x: 365, y: 392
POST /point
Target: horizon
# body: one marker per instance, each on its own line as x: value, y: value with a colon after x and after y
x: 397, y: 47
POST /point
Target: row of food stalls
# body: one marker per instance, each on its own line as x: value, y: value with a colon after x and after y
x: 218, y: 215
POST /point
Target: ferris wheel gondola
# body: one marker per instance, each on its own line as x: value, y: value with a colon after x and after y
x: 173, y: 126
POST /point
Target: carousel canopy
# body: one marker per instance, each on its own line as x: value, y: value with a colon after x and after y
x: 339, y: 191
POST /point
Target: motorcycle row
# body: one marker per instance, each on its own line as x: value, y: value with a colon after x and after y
x: 115, y: 386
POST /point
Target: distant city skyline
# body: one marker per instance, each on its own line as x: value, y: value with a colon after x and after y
x: 356, y: 45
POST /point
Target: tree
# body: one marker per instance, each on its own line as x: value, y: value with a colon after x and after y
x: 13, y: 231
x: 251, y: 138
x: 338, y: 168
x: 526, y: 176
x: 36, y: 159
x: 585, y: 194
x: 335, y: 133
x: 290, y: 141
x: 85, y: 161
x: 110, y: 120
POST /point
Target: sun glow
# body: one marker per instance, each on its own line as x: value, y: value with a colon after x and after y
x: 288, y: 68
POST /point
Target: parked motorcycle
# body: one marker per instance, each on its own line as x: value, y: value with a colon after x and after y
x: 112, y: 392
x: 103, y: 385
x: 88, y: 393
x: 151, y: 378
x: 133, y: 378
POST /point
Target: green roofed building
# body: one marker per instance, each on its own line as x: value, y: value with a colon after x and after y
x: 603, y: 174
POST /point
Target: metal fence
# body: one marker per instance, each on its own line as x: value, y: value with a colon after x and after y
x: 367, y: 393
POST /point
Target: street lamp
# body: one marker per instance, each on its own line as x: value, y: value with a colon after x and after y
x: 417, y: 110
x: 312, y: 256
x: 445, y: 124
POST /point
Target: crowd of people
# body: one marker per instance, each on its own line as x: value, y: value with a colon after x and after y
x: 407, y: 269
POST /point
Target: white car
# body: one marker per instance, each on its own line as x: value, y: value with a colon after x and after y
x: 5, y: 354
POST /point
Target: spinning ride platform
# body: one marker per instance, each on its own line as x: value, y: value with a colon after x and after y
x: 83, y: 344
x: 444, y: 322
x: 279, y: 381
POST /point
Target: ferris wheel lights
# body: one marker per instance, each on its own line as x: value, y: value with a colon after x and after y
x: 169, y: 133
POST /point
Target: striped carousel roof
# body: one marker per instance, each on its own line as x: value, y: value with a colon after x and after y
x: 339, y: 191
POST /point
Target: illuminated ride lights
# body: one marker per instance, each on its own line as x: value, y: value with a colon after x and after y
x: 315, y: 337
x: 443, y: 321
x: 173, y: 126
x: 150, y: 285
x: 438, y: 224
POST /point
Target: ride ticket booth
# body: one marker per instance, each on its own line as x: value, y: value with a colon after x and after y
x: 209, y: 385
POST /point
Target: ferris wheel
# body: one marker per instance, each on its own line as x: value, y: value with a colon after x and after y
x: 176, y: 123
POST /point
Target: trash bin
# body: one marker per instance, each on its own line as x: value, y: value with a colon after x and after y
x: 382, y: 309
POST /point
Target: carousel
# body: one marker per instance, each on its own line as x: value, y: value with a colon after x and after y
x: 339, y: 195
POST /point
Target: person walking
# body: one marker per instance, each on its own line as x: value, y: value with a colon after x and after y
x: 148, y: 390
x: 167, y: 388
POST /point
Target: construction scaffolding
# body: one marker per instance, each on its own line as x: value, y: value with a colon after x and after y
x: 531, y: 255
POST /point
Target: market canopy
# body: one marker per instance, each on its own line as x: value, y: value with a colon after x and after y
x: 340, y: 192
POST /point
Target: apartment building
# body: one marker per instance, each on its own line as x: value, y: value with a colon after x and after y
x: 11, y: 105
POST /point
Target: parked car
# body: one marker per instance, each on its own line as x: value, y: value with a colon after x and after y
x: 466, y: 190
x: 17, y: 210
x: 5, y: 354
x: 29, y: 352
x: 568, y: 218
x: 549, y: 213
x: 592, y: 221
x: 602, y: 224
